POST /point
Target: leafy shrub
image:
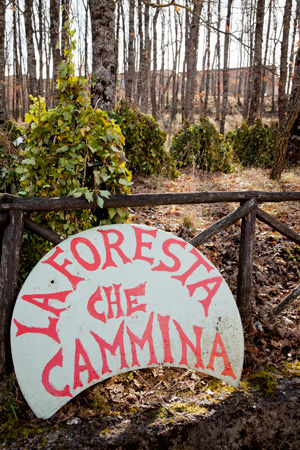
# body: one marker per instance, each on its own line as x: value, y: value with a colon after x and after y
x: 254, y: 145
x: 71, y: 150
x: 201, y: 145
x: 10, y: 146
x: 144, y: 142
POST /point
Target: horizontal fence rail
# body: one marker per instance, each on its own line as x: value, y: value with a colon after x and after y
x: 13, y: 220
x: 11, y: 202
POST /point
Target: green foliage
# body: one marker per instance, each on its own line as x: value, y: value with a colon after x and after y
x: 201, y: 145
x: 9, y: 157
x: 12, y: 407
x: 144, y: 142
x: 72, y: 150
x: 254, y: 145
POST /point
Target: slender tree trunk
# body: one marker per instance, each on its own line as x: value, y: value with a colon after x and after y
x: 2, y: 65
x: 129, y: 74
x: 104, y: 47
x: 250, y: 69
x: 191, y: 58
x: 154, y: 67
x: 225, y: 69
x: 117, y: 28
x: 176, y: 66
x: 264, y: 81
x: 207, y: 78
x: 282, y: 96
x: 31, y: 60
x: 141, y: 49
x: 16, y: 66
x: 40, y: 48
x: 145, y: 68
x: 54, y: 44
x: 218, y: 55
x: 86, y: 40
x: 65, y: 11
x: 257, y: 65
x: 275, y: 40
x: 162, y: 69
x: 20, y: 78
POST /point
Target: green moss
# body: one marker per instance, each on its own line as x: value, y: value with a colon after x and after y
x: 264, y: 380
x: 189, y: 408
x: 292, y: 368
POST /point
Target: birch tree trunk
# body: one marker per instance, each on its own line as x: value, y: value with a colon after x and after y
x: 104, y: 47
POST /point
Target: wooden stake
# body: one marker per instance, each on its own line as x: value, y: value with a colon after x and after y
x: 244, y: 285
x: 9, y: 268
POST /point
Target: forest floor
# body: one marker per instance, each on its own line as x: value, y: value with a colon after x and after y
x: 177, y: 408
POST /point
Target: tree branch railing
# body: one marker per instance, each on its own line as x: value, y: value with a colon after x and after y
x: 13, y: 221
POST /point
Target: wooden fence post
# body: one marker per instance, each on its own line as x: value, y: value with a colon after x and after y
x: 9, y: 268
x: 244, y: 284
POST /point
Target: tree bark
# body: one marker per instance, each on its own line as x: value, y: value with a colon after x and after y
x: 257, y: 65
x: 191, y: 60
x: 145, y: 62
x: 154, y: 67
x: 31, y: 60
x: 225, y: 69
x: 129, y: 74
x: 2, y: 64
x: 282, y: 96
x: 54, y: 43
x: 104, y: 47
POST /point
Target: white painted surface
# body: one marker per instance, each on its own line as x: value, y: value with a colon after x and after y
x: 58, y: 344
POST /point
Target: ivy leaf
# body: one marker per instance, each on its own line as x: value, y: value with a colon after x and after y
x: 104, y: 194
x: 31, y: 161
x: 89, y: 196
x: 100, y: 202
x: 125, y: 182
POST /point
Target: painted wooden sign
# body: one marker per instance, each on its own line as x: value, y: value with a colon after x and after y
x: 115, y: 299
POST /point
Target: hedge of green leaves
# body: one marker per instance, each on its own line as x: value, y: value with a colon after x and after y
x: 144, y: 142
x: 254, y: 145
x: 71, y: 150
x: 202, y: 146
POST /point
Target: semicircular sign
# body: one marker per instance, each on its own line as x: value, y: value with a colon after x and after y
x: 118, y: 298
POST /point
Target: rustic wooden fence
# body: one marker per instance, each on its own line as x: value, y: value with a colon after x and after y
x: 13, y: 221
